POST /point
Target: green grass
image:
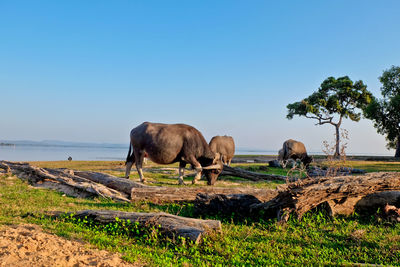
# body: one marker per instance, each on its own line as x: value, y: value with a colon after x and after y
x: 165, y: 175
x: 315, y: 240
x: 368, y: 166
x: 375, y: 166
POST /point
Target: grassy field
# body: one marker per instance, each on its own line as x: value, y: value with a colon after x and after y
x: 315, y: 240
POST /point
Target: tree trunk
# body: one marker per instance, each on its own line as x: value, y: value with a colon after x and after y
x: 337, y: 146
x: 342, y: 195
x: 64, y: 177
x: 397, y: 154
x: 253, y: 176
x: 170, y: 225
x: 161, y: 194
x: 300, y: 197
x: 232, y: 204
x: 121, y: 189
x: 117, y: 183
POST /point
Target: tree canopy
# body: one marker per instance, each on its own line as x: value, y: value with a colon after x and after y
x: 341, y: 97
x: 385, y: 112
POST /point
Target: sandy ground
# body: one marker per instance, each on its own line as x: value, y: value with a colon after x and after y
x: 27, y: 245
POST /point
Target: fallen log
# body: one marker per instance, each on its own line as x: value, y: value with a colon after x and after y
x: 160, y: 194
x: 392, y: 213
x: 109, y: 186
x: 35, y: 175
x: 302, y: 196
x: 372, y: 202
x: 253, y: 176
x: 363, y: 204
x: 170, y: 225
x: 234, y: 204
x: 117, y: 183
x: 342, y: 195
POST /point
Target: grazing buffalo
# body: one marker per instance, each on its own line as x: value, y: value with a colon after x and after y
x: 169, y: 143
x: 225, y: 146
x: 293, y: 149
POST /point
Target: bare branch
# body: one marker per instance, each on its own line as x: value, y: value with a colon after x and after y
x: 321, y: 119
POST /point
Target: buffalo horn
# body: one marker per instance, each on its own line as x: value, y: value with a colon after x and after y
x: 215, y: 166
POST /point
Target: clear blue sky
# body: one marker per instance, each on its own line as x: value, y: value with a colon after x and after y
x: 93, y: 70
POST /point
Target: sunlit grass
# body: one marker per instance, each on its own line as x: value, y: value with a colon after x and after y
x: 375, y: 166
x: 164, y: 175
x: 315, y: 240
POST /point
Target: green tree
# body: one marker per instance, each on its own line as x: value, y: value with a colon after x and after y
x: 334, y: 100
x: 385, y: 112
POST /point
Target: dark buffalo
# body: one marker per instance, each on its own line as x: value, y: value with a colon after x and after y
x: 293, y: 149
x: 169, y: 143
x: 225, y: 146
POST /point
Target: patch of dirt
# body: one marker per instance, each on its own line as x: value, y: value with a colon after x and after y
x: 27, y: 245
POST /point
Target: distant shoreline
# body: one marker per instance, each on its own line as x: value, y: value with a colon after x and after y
x: 49, y: 144
x: 46, y: 151
x: 6, y: 144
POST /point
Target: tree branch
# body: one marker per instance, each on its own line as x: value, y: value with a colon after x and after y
x: 321, y: 120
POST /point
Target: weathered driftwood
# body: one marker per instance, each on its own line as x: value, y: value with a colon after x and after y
x: 343, y: 195
x: 300, y: 197
x: 117, y: 183
x: 159, y: 194
x: 109, y: 186
x: 392, y: 213
x: 219, y: 204
x: 372, y: 202
x: 363, y: 204
x: 171, y: 225
x: 254, y: 176
x: 35, y: 174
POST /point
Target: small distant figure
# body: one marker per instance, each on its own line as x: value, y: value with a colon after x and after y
x: 69, y: 158
x: 225, y: 146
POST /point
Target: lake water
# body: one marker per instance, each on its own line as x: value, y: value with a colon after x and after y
x: 52, y: 153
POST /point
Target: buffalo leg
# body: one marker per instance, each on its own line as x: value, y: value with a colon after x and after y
x: 128, y: 169
x: 139, y: 163
x: 198, y: 175
x: 181, y: 172
x: 284, y: 163
x: 224, y: 159
x: 193, y: 161
x: 130, y: 159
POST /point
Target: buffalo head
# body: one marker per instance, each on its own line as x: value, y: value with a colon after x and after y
x: 212, y: 171
x: 307, y: 160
